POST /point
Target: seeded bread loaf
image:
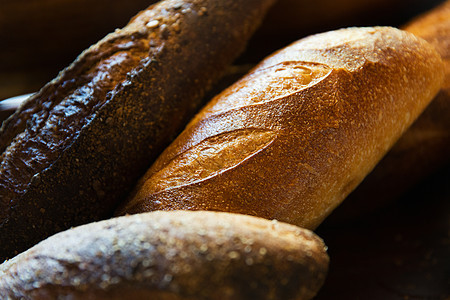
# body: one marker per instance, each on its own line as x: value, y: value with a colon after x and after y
x: 296, y: 135
x: 171, y: 255
x: 74, y: 149
x: 425, y: 147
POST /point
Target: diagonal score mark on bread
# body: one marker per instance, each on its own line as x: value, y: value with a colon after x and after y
x: 269, y: 83
x: 201, y: 161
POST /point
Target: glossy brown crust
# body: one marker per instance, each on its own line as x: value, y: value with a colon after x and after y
x: 425, y: 147
x: 74, y: 149
x: 171, y: 255
x: 295, y: 136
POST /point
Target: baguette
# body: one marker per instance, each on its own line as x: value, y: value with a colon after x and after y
x: 295, y: 136
x: 424, y: 148
x: 171, y: 255
x: 74, y: 149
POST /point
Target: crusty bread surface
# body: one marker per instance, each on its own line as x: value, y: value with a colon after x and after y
x: 171, y: 255
x: 424, y: 147
x: 74, y: 149
x: 296, y: 135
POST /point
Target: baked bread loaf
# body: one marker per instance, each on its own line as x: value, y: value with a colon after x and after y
x: 171, y: 255
x: 425, y: 146
x: 295, y: 136
x: 74, y: 149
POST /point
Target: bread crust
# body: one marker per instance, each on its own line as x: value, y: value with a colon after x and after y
x: 171, y: 255
x: 424, y: 147
x: 295, y: 156
x: 73, y: 150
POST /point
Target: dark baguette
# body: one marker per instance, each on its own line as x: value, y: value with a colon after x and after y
x: 291, y: 139
x: 72, y: 151
x: 171, y: 255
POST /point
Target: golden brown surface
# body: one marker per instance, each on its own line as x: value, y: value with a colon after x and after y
x: 425, y: 147
x: 74, y: 149
x: 296, y: 155
x: 171, y: 255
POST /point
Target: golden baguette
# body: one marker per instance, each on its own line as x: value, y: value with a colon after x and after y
x: 425, y: 146
x: 296, y: 135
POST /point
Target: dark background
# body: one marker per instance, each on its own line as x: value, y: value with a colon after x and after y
x: 401, y: 251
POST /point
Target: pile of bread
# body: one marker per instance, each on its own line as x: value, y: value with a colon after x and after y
x: 171, y: 197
